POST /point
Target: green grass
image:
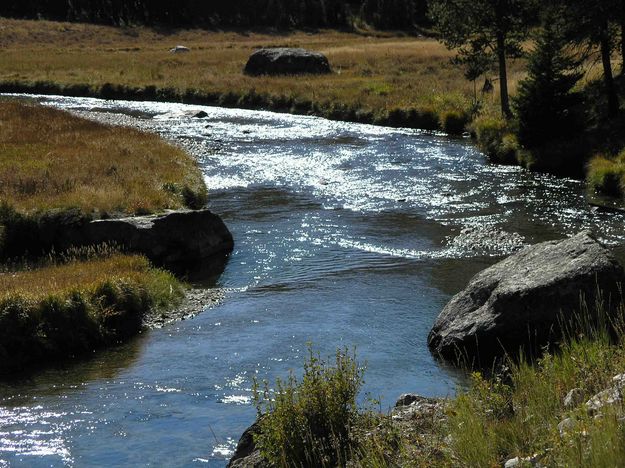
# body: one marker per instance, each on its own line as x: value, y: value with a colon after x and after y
x: 496, y: 139
x: 77, y: 304
x: 309, y: 422
x: 373, y: 74
x: 514, y: 413
x: 607, y: 175
x: 54, y: 164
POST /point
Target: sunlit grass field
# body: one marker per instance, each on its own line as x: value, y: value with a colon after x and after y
x: 52, y: 159
x: 375, y: 73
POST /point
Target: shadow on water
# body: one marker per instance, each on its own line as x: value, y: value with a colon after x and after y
x: 201, y: 274
x: 71, y: 374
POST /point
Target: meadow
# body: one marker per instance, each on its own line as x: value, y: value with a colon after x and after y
x: 71, y: 303
x: 373, y: 72
x: 53, y: 160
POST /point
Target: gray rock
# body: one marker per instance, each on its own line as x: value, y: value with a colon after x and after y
x: 286, y: 61
x: 574, y: 398
x: 520, y: 302
x: 609, y: 397
x: 565, y: 426
x: 524, y: 461
x: 406, y: 399
x: 179, y: 49
x: 253, y: 460
x: 512, y: 463
x: 410, y: 406
x: 246, y: 455
x: 177, y: 237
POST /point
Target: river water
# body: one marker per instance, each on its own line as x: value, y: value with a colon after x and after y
x: 347, y: 235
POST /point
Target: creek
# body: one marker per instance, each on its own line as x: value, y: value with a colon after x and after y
x: 346, y: 236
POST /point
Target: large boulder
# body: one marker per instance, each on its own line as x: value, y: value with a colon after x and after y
x: 286, y: 61
x: 523, y: 301
x: 173, y: 239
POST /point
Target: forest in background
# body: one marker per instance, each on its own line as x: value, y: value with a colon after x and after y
x: 383, y: 14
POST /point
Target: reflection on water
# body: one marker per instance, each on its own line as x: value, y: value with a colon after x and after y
x: 346, y: 235
x: 33, y: 432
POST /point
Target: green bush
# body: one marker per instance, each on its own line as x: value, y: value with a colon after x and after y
x: 38, y: 326
x: 307, y: 422
x: 454, y: 122
x: 496, y: 140
x: 497, y: 419
x: 607, y: 176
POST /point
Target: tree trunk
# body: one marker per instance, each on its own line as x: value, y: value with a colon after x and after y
x: 623, y: 37
x: 503, y: 76
x: 608, y: 78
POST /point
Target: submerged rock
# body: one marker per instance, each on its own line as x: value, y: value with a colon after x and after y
x: 286, y: 61
x: 521, y: 301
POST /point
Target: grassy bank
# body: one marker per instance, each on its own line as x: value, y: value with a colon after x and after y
x: 518, y: 414
x: 54, y: 160
x: 56, y: 165
x: 78, y: 305
x: 385, y: 78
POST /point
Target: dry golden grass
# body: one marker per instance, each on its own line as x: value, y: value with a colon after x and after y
x: 371, y: 73
x: 51, y: 159
x: 64, y: 310
x: 39, y: 283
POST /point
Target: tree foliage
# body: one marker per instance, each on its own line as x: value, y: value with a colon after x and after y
x: 592, y: 25
x: 391, y: 14
x: 546, y: 104
x: 483, y: 32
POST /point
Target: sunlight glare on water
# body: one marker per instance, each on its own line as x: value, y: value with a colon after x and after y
x: 347, y: 235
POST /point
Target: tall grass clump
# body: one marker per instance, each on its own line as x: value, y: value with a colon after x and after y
x: 77, y: 304
x: 607, y: 175
x: 308, y: 422
x: 454, y: 122
x: 518, y: 413
x: 496, y: 140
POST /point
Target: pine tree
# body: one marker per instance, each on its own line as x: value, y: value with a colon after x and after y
x: 499, y: 26
x: 546, y: 103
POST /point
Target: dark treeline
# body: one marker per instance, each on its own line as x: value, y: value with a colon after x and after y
x: 384, y: 14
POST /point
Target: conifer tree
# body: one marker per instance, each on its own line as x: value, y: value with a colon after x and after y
x: 546, y: 103
x: 498, y: 26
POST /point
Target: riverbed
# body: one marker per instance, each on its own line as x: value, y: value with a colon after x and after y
x: 346, y: 236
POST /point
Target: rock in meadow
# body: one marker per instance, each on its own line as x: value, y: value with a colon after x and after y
x: 286, y: 61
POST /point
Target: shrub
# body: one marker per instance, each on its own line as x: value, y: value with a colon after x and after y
x: 307, y: 423
x: 454, y: 122
x: 496, y: 140
x: 607, y: 176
